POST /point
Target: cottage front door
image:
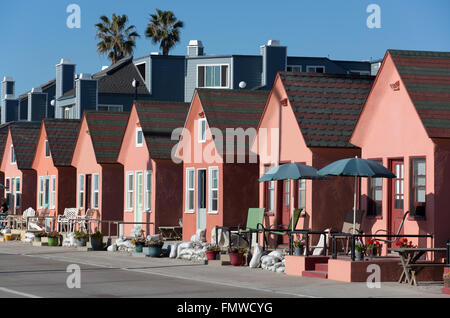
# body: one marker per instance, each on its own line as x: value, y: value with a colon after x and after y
x: 396, y: 196
x: 139, y: 193
x: 201, y: 199
x: 88, y: 188
x: 284, y: 207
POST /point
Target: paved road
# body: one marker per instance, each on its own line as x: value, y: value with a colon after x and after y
x: 27, y: 271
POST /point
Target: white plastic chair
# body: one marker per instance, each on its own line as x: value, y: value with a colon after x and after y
x: 319, y: 248
x: 67, y: 219
x: 37, y: 223
x: 23, y: 220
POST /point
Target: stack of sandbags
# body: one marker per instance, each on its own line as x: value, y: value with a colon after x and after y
x: 274, y: 262
x: 69, y: 241
x: 29, y: 237
x: 121, y: 244
x: 193, y: 251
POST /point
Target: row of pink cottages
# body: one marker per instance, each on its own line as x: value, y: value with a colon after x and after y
x: 137, y: 167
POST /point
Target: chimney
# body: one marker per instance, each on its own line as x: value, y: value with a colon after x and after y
x: 274, y: 60
x: 195, y: 48
x: 37, y: 105
x: 9, y: 105
x: 65, y: 75
x: 85, y: 94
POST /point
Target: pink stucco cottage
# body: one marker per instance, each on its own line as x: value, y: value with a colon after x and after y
x: 153, y: 182
x: 220, y: 175
x: 405, y: 125
x: 56, y: 177
x: 16, y: 164
x: 99, y: 176
x: 309, y: 119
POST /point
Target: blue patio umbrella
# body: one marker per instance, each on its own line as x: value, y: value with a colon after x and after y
x: 356, y: 167
x: 291, y: 171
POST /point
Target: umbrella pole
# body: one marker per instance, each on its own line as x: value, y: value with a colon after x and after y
x: 354, y: 206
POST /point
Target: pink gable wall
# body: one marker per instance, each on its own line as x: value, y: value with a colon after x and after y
x: 136, y: 159
x: 390, y: 128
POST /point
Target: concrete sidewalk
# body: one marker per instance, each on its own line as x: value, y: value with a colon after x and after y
x: 221, y: 281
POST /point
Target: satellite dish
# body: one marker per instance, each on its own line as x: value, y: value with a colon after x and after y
x: 242, y: 84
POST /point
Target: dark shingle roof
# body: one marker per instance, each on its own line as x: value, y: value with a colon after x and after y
x: 226, y: 108
x: 158, y: 120
x: 426, y: 76
x: 25, y: 137
x: 117, y: 78
x: 326, y: 106
x: 106, y: 130
x: 62, y: 138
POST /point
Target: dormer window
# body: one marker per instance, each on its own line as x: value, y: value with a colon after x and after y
x: 202, y: 130
x: 47, y: 149
x: 13, y: 155
x: 139, y: 137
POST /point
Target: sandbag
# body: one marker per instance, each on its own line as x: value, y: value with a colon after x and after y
x: 174, y: 250
x: 256, y: 257
x: 156, y: 237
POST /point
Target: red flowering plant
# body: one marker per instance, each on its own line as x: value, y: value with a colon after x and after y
x: 403, y: 243
x: 299, y: 242
x: 373, y: 246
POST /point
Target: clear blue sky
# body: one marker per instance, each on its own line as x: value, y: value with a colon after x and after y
x: 34, y: 35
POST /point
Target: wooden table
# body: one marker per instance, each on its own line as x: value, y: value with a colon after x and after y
x: 409, y: 257
x: 171, y: 232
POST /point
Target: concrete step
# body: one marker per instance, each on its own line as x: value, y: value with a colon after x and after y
x: 321, y: 267
x: 316, y: 274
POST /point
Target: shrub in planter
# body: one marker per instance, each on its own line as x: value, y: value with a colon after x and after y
x: 97, y: 241
x: 81, y: 238
x: 38, y: 236
x: 299, y: 245
x: 139, y: 243
x: 236, y: 255
x: 211, y: 252
x: 155, y: 248
x: 53, y: 238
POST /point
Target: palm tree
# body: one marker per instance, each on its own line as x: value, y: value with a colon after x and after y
x: 164, y: 27
x: 116, y: 39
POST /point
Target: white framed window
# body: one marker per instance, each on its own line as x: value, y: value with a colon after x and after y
x: 139, y: 137
x: 301, y: 194
x: 95, y: 187
x: 18, y: 193
x: 47, y: 149
x: 81, y: 191
x: 52, y: 192
x: 190, y: 190
x: 148, y: 190
x: 67, y: 114
x: 41, y: 192
x: 213, y: 191
x: 13, y: 155
x: 294, y: 68
x: 315, y: 69
x: 213, y: 76
x: 129, y: 187
x: 202, y: 130
x: 110, y: 108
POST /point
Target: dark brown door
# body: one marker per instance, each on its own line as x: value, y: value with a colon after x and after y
x: 397, y: 196
x: 284, y: 195
x: 88, y: 192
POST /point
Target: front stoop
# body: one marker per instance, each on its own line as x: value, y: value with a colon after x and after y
x: 320, y: 271
x: 446, y: 291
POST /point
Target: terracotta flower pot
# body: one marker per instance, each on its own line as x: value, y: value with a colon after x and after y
x: 211, y: 255
x: 236, y: 259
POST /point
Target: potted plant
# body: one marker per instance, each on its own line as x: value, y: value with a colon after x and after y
x: 236, y: 255
x: 38, y: 236
x: 360, y: 249
x: 372, y: 247
x: 53, y: 238
x: 155, y: 248
x: 81, y: 238
x: 299, y: 245
x: 211, y: 252
x: 446, y: 277
x: 403, y: 243
x: 139, y: 243
x: 97, y: 241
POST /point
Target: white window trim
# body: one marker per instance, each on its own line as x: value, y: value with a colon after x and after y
x: 7, y: 182
x: 52, y: 192
x: 118, y: 106
x: 46, y: 146
x: 218, y: 87
x: 81, y: 206
x: 186, y: 209
x: 293, y: 65
x: 17, y: 192
x: 309, y: 66
x: 199, y: 123
x: 93, y: 191
x: 41, y: 192
x: 129, y: 205
x: 139, y: 129
x: 146, y: 192
x: 210, y: 190
x: 11, y: 155
x: 135, y: 194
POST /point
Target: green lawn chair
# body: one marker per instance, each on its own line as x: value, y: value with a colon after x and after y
x: 282, y: 229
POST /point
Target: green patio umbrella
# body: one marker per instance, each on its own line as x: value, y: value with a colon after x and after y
x: 356, y: 167
x: 291, y: 171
